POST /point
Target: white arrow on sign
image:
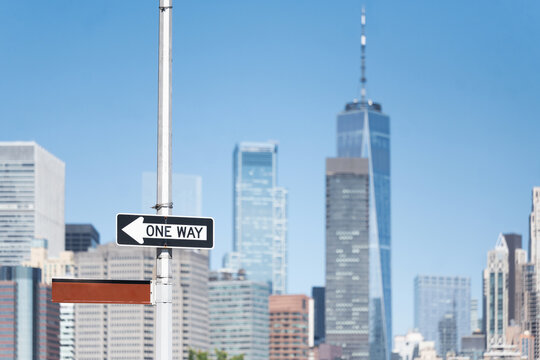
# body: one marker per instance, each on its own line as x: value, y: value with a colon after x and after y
x: 138, y: 230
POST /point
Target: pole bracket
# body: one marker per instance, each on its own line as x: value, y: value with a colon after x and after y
x: 158, y: 207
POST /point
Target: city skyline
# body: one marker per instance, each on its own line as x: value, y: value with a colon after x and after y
x: 450, y: 147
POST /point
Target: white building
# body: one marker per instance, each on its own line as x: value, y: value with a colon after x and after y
x: 496, y: 294
x: 407, y: 346
x: 31, y: 202
x: 534, y: 232
x: 127, y: 331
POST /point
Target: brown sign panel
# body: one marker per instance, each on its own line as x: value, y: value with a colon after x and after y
x: 101, y: 291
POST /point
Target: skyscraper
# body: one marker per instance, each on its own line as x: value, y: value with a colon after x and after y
x: 317, y: 293
x: 348, y: 323
x: 437, y: 296
x: 260, y: 216
x: 363, y: 130
x: 81, y: 237
x: 496, y: 294
x: 32, y: 205
x: 513, y: 242
x: 534, y: 233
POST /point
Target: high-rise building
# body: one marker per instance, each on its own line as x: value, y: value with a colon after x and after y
x: 260, y: 216
x: 534, y: 232
x: 81, y: 237
x: 496, y: 295
x: 32, y: 202
x: 448, y: 335
x: 291, y: 326
x: 127, y: 331
x: 473, y: 346
x: 239, y: 315
x: 317, y: 293
x: 474, y: 315
x: 513, y: 242
x: 436, y: 296
x: 30, y: 320
x: 348, y: 260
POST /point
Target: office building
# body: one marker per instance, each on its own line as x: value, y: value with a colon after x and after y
x: 291, y: 326
x: 32, y: 205
x: 260, y: 216
x: 348, y: 259
x: 534, y: 233
x: 473, y: 346
x: 328, y: 352
x: 186, y: 194
x: 435, y: 297
x: 81, y: 237
x: 30, y: 320
x: 474, y: 315
x: 363, y: 130
x: 127, y: 331
x: 513, y: 242
x: 239, y: 315
x: 448, y: 335
x: 317, y: 293
x: 496, y: 295
x: 526, y: 345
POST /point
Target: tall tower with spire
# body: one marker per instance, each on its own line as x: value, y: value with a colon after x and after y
x: 363, y: 131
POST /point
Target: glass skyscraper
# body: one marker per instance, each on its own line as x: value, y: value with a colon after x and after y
x: 435, y: 299
x: 363, y: 131
x: 260, y: 220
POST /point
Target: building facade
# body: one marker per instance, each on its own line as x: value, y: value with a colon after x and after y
x: 363, y: 130
x: 32, y: 201
x: 260, y: 216
x: 317, y: 293
x: 127, y: 331
x: 496, y: 295
x: 30, y: 320
x: 348, y: 258
x: 291, y: 326
x: 437, y: 296
x: 239, y: 315
x: 81, y: 237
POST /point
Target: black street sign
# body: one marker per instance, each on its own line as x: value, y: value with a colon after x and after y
x: 165, y: 231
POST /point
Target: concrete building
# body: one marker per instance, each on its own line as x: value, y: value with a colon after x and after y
x: 239, y: 315
x: 30, y: 320
x: 534, y: 233
x: 81, y: 237
x: 427, y: 351
x: 496, y: 295
x: 260, y: 216
x: 328, y: 352
x: 32, y: 202
x: 127, y: 331
x: 291, y: 326
x: 437, y: 296
x: 473, y: 346
x: 348, y: 259
x: 317, y: 293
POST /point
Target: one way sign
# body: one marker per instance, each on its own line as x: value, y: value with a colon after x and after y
x: 164, y: 231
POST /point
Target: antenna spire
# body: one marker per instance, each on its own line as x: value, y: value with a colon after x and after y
x: 363, y: 58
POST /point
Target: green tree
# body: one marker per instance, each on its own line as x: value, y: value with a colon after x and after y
x: 220, y: 355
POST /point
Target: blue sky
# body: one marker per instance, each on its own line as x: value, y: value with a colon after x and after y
x: 459, y: 79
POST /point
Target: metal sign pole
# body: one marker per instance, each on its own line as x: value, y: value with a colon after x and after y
x: 163, y: 281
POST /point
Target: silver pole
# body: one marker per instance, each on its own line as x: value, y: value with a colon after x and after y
x: 163, y: 325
